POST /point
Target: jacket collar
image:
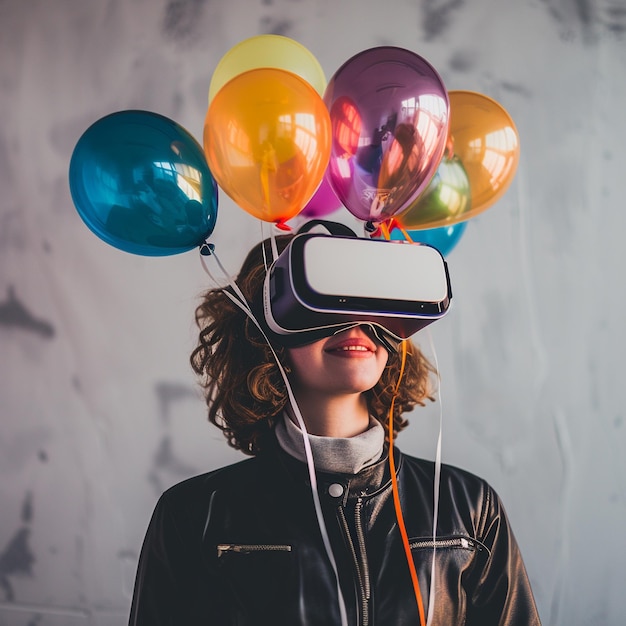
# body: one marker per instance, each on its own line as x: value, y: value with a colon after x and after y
x: 369, y: 482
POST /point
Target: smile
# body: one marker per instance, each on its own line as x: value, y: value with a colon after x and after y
x: 352, y: 349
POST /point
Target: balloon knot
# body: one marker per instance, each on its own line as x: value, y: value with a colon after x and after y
x: 207, y: 249
x: 283, y: 226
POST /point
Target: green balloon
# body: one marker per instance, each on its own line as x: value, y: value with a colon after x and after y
x: 446, y: 201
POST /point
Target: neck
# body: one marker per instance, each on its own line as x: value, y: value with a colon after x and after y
x: 344, y: 416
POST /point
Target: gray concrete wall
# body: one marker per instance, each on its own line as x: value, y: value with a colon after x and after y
x: 99, y: 411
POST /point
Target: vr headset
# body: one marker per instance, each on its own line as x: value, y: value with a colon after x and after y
x: 323, y: 284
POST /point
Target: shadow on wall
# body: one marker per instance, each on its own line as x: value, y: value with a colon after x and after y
x: 14, y: 314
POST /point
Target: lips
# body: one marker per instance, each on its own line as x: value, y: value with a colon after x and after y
x: 352, y: 347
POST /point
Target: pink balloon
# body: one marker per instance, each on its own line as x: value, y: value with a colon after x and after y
x: 323, y: 202
x: 389, y: 111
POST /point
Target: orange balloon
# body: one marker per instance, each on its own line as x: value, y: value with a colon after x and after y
x: 267, y: 140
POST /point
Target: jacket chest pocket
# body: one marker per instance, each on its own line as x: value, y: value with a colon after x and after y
x: 226, y: 549
x: 453, y: 555
x: 459, y: 550
x: 447, y: 543
x: 262, y: 577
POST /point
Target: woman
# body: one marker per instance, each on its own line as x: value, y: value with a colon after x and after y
x: 245, y: 544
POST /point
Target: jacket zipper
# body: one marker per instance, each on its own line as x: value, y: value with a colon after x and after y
x: 360, y: 535
x: 455, y: 542
x: 240, y: 548
x: 361, y: 565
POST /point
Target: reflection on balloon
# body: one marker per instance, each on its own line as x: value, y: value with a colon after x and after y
x: 447, y: 198
x: 389, y: 113
x: 273, y: 51
x: 267, y: 142
x: 141, y: 183
x: 444, y: 238
x: 346, y: 127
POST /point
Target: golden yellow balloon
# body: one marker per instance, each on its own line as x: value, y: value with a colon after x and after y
x: 268, y: 51
x: 479, y: 165
x: 267, y: 139
x: 486, y: 141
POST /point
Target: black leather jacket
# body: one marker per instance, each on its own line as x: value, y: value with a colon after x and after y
x: 241, y: 546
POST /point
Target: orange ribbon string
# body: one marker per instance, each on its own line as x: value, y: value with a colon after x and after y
x: 385, y: 230
x: 405, y: 233
x: 396, y: 498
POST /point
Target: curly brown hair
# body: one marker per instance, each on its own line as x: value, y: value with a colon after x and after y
x: 242, y: 384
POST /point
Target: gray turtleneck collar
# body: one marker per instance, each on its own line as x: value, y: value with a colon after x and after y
x: 334, y: 454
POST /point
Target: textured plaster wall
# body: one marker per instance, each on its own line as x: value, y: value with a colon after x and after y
x: 99, y: 412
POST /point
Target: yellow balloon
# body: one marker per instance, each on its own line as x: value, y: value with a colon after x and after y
x: 268, y: 51
x: 480, y: 163
x: 267, y: 140
x: 486, y: 141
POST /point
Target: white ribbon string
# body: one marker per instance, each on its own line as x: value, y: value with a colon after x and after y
x: 436, y: 488
x: 273, y: 244
x: 239, y: 300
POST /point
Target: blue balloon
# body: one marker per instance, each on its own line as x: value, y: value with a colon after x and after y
x: 141, y: 183
x: 444, y: 238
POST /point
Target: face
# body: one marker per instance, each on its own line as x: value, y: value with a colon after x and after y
x: 350, y: 362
